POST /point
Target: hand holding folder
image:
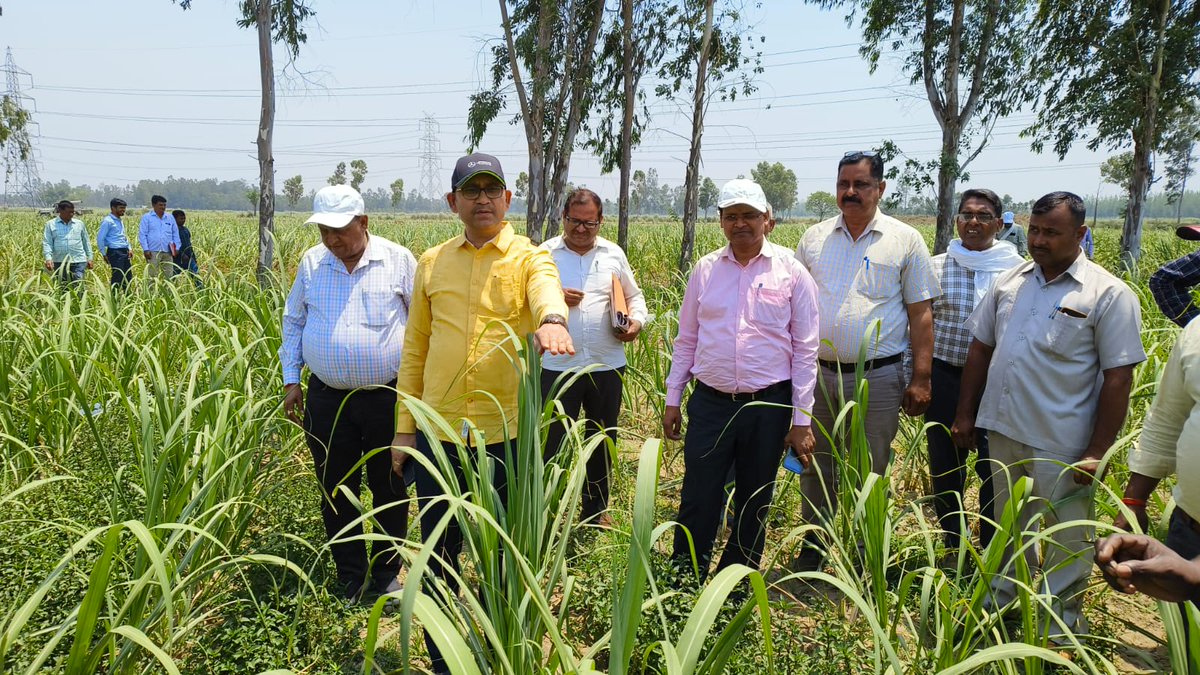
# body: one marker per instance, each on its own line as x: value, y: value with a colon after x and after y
x: 620, y: 308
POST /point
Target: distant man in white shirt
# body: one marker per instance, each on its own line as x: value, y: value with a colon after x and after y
x: 587, y: 264
x: 1055, y: 341
x: 159, y: 238
x: 345, y: 319
x: 868, y: 267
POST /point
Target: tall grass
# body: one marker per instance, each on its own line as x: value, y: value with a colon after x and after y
x: 152, y: 496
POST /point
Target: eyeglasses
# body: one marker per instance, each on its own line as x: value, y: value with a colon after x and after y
x: 472, y: 192
x: 859, y: 155
x: 981, y: 218
x: 575, y: 222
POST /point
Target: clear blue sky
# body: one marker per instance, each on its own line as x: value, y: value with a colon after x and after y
x: 141, y: 89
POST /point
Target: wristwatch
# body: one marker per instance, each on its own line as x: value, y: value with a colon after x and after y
x: 554, y: 318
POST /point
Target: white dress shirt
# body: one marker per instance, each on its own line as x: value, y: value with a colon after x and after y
x: 348, y: 327
x: 590, y: 322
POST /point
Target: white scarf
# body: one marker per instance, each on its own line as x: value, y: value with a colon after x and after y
x: 987, y: 264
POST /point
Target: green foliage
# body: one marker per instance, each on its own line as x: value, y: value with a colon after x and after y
x: 779, y: 184
x: 339, y: 175
x: 293, y: 190
x: 1118, y: 170
x: 709, y: 193
x: 358, y: 173
x: 821, y: 204
x: 13, y: 120
x: 397, y: 188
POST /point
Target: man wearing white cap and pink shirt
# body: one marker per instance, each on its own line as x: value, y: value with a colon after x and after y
x: 747, y: 333
x: 345, y: 319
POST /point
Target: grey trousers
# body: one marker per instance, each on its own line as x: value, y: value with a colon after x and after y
x: 1057, y: 498
x: 885, y: 387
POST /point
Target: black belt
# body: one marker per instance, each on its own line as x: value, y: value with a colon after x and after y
x: 759, y: 395
x: 314, y: 380
x: 867, y: 365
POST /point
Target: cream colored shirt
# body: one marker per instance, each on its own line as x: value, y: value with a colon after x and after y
x: 875, y: 277
x: 1170, y: 442
x: 1052, y: 341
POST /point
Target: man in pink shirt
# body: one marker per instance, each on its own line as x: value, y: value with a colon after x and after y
x: 748, y: 335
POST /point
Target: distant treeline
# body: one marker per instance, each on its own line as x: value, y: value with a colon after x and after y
x: 234, y: 195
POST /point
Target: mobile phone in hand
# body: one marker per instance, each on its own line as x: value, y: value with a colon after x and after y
x: 791, y: 462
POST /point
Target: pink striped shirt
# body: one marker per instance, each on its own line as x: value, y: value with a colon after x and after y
x: 742, y: 329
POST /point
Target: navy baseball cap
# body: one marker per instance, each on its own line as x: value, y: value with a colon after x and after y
x: 474, y: 164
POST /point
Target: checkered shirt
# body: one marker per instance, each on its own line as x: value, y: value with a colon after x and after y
x: 1171, y: 285
x: 951, y: 309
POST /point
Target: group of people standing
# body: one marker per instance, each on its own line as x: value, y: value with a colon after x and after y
x: 164, y: 238
x: 1027, y: 362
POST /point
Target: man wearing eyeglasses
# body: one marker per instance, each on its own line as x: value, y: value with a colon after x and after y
x: 876, y: 286
x: 588, y: 264
x: 748, y: 337
x: 474, y: 292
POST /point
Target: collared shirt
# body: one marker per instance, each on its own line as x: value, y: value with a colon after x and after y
x: 157, y: 234
x: 479, y: 303
x: 860, y: 281
x: 348, y: 327
x: 591, y: 319
x: 742, y: 329
x: 1171, y: 287
x: 1170, y: 442
x: 66, y: 242
x: 1015, y: 235
x: 1052, y: 341
x: 111, y: 235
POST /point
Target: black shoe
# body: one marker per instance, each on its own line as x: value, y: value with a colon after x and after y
x: 350, y: 590
x: 809, y: 560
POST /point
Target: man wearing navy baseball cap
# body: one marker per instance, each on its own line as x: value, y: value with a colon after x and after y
x: 478, y: 289
x: 1172, y: 284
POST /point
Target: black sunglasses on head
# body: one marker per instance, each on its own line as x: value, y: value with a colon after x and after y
x: 858, y: 155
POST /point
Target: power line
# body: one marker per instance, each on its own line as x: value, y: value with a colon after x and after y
x: 21, y: 178
x: 431, y: 163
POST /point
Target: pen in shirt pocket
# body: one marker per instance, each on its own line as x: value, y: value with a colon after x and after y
x: 867, y: 262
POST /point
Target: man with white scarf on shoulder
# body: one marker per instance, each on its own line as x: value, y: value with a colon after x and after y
x: 966, y: 272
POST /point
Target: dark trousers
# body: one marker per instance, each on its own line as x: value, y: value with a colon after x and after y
x: 343, y: 427
x: 118, y: 260
x: 1185, y: 541
x: 598, y: 394
x: 948, y: 464
x: 449, y: 545
x: 747, y: 436
x: 70, y: 275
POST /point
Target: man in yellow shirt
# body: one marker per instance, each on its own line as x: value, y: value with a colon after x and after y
x: 470, y: 292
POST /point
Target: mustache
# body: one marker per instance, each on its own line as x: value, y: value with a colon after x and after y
x: 854, y: 200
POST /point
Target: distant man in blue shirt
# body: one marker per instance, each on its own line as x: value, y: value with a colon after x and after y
x: 114, y: 245
x: 65, y: 246
x: 185, y: 259
x: 159, y: 238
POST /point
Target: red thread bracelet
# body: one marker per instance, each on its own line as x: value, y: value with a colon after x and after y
x: 1130, y: 501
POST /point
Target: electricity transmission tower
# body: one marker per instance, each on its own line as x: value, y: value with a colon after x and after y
x: 21, y: 179
x: 431, y: 163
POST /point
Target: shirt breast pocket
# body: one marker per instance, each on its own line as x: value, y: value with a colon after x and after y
x: 379, y: 307
x: 877, y: 280
x: 772, y: 307
x: 501, y: 299
x: 1064, y: 335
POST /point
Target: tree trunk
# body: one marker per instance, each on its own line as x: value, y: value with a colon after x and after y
x: 947, y: 181
x: 533, y: 119
x: 266, y: 160
x: 626, y: 124
x: 1143, y: 145
x: 692, y: 176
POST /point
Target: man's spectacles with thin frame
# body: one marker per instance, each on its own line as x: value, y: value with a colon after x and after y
x: 576, y: 222
x: 473, y: 192
x: 981, y: 218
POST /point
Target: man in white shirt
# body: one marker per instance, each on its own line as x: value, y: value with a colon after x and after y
x: 345, y: 319
x: 587, y: 264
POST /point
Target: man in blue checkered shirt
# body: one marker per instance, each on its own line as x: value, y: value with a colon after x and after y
x: 1171, y: 285
x: 345, y: 319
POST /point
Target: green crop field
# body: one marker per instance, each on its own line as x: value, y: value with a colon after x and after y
x: 159, y: 514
